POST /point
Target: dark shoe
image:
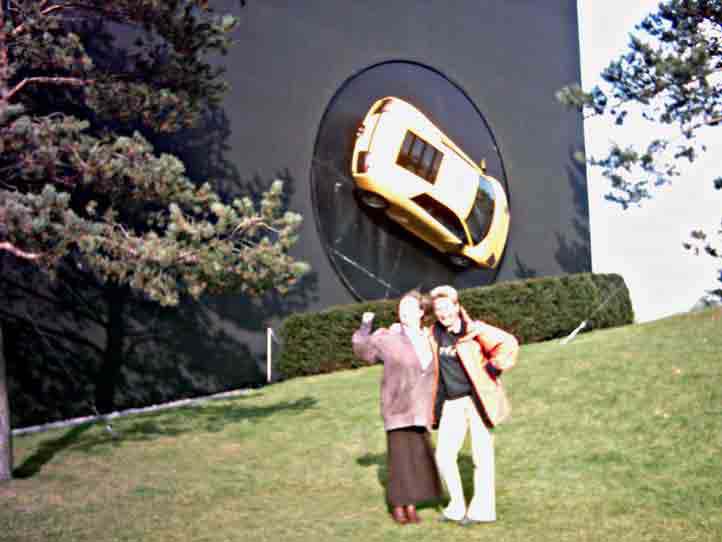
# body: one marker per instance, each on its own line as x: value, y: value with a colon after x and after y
x: 399, y: 516
x: 411, y: 514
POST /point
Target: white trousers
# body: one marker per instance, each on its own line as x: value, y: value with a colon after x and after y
x: 457, y: 417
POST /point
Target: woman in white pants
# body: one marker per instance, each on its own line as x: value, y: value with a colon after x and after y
x: 470, y: 356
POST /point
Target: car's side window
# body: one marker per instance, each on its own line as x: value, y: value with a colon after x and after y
x: 441, y: 214
x: 419, y: 157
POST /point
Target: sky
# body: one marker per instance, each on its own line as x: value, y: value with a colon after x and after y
x: 644, y: 244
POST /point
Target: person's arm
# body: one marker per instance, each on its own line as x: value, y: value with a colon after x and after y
x: 363, y: 342
x: 500, y: 348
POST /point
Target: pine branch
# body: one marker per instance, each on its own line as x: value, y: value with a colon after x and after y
x: 72, y: 81
x: 252, y: 223
x: 12, y: 249
x: 21, y: 28
x: 118, y: 16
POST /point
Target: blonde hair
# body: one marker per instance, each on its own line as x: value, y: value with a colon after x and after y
x: 445, y: 291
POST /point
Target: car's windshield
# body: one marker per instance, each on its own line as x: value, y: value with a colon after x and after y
x: 442, y: 214
x: 479, y: 219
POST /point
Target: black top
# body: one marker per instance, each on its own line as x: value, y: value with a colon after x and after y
x: 453, y: 377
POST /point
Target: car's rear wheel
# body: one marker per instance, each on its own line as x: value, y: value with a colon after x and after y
x: 372, y: 200
x: 459, y: 260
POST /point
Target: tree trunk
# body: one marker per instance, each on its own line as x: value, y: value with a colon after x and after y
x: 6, y: 445
x: 6, y: 437
x: 4, y: 68
x: 107, y: 379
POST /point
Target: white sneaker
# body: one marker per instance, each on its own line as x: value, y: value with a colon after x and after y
x: 489, y: 518
x: 470, y: 519
x: 454, y: 512
x: 480, y: 511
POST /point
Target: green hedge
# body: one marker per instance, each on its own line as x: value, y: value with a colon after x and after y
x: 534, y: 310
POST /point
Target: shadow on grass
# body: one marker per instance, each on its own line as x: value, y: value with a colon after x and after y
x: 203, y: 417
x: 382, y: 473
x: 47, y: 450
x: 215, y: 417
x: 378, y: 460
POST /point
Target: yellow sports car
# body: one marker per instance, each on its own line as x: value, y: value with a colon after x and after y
x: 403, y: 164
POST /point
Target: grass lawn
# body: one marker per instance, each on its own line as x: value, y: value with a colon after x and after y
x: 616, y: 436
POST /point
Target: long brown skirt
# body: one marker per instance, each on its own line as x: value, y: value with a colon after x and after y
x: 412, y: 473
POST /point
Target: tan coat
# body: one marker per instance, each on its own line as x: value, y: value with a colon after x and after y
x: 483, y: 344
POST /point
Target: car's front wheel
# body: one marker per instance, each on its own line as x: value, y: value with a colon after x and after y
x: 372, y: 200
x: 459, y: 260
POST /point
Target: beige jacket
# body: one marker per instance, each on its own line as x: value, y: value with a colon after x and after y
x: 483, y: 344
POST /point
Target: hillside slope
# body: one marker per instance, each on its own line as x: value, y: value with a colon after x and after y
x: 615, y: 436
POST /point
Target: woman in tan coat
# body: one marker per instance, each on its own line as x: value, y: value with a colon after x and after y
x: 471, y: 356
x: 406, y: 405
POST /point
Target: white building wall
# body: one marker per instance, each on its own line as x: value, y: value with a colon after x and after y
x: 644, y: 244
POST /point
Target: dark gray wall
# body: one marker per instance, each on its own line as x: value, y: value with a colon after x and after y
x: 289, y: 61
x: 509, y: 57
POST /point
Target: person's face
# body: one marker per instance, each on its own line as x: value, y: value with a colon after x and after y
x: 446, y: 311
x: 410, y: 312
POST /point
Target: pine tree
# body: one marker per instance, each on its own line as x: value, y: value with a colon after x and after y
x: 671, y: 75
x: 80, y: 181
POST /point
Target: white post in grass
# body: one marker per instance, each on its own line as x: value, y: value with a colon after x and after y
x: 269, y: 333
x: 573, y: 334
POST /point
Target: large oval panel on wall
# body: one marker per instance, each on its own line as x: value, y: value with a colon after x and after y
x: 374, y: 256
